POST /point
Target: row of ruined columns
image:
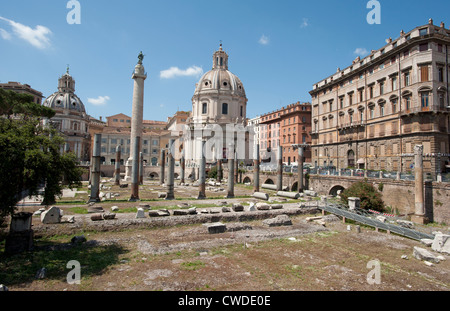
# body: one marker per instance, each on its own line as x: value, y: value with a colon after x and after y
x: 137, y: 174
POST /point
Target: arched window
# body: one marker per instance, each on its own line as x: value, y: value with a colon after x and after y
x: 224, y: 108
x: 204, y: 108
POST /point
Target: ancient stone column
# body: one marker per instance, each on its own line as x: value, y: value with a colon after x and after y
x: 135, y: 171
x: 163, y: 166
x: 171, y: 173
x: 256, y: 161
x: 219, y: 170
x: 230, y: 193
x: 141, y: 168
x: 139, y: 77
x: 95, y: 172
x: 202, y: 174
x: 280, y: 169
x: 236, y: 168
x: 419, y: 212
x: 182, y: 168
x: 300, y: 169
x: 117, y: 170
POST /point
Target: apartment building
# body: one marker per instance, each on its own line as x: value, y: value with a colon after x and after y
x: 371, y: 114
x: 286, y: 127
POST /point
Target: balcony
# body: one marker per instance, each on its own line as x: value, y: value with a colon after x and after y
x: 353, y: 124
x: 417, y: 110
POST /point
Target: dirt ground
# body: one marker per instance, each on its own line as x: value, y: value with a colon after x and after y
x: 249, y: 256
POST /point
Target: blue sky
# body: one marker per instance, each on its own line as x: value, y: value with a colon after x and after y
x: 279, y: 49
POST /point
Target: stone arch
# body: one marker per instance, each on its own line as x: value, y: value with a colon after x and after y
x: 247, y: 180
x: 175, y: 175
x: 269, y: 182
x: 153, y: 175
x: 334, y: 190
x: 294, y: 186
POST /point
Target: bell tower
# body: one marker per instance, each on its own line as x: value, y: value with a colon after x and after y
x: 220, y: 59
x: 66, y: 84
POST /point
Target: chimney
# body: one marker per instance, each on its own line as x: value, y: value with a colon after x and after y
x: 100, y: 118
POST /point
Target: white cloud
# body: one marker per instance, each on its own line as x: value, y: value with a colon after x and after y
x: 361, y: 52
x: 38, y: 37
x: 173, y: 72
x: 264, y: 40
x: 4, y: 34
x: 305, y: 23
x: 99, y: 101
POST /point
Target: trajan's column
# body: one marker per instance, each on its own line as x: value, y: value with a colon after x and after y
x: 139, y: 77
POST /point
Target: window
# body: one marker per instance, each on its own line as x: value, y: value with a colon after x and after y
x: 122, y: 121
x: 104, y: 140
x: 424, y: 73
x: 425, y: 99
x: 361, y: 96
x: 382, y: 110
x: 331, y: 106
x: 406, y: 53
x: 145, y: 151
x: 407, y: 79
x: 204, y: 108
x: 145, y: 142
x: 224, y: 108
x: 115, y: 120
x: 242, y: 111
x: 342, y: 102
x: 441, y: 74
x: 394, y: 83
x: 128, y: 121
x: 381, y: 88
x: 441, y: 100
x: 372, y: 112
x: 423, y: 47
x: 113, y: 141
x: 394, y: 106
x: 371, y: 92
x: 408, y: 102
x: 350, y: 99
x: 423, y: 32
x: 361, y: 116
x: 439, y: 48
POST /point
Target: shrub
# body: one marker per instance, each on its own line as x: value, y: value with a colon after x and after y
x: 370, y: 197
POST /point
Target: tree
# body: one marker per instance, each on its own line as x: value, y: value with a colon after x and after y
x: 30, y: 154
x: 369, y: 195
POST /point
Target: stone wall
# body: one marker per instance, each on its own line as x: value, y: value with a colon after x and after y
x: 396, y: 194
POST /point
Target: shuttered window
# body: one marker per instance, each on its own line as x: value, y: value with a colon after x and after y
x: 424, y: 76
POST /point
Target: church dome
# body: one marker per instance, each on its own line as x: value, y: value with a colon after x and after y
x: 65, y: 98
x: 220, y: 78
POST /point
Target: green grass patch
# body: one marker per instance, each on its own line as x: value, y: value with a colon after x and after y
x: 193, y: 265
x: 78, y: 210
x: 22, y: 268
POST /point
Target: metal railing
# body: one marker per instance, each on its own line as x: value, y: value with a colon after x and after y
x: 366, y: 218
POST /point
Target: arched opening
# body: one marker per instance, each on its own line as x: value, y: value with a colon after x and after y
x: 294, y: 186
x: 269, y: 182
x: 175, y: 175
x: 334, y: 191
x: 153, y: 175
x: 247, y: 180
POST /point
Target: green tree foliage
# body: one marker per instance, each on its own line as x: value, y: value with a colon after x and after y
x: 30, y: 154
x: 369, y: 195
x: 213, y: 172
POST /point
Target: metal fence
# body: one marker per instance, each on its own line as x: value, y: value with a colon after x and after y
x: 364, y: 217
